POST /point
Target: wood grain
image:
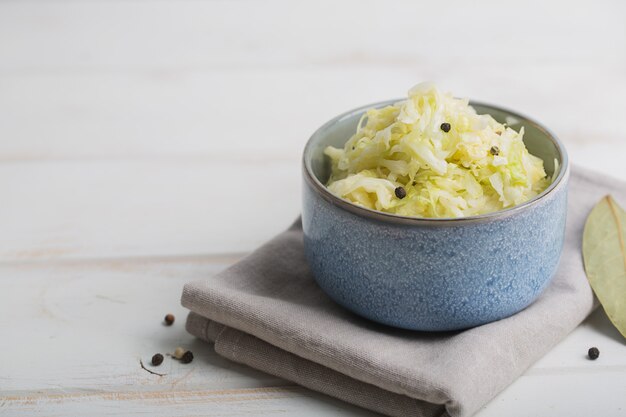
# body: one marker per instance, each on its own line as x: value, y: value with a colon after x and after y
x: 145, y: 207
x: 274, y: 401
x: 128, y: 35
x: 268, y: 115
x: 75, y: 330
x: 146, y: 144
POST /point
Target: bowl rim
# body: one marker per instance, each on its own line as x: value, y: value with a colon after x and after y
x: 323, y: 191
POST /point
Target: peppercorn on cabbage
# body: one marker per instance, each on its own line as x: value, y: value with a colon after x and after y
x: 450, y: 161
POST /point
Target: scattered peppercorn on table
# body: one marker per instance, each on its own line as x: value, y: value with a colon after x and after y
x: 144, y: 145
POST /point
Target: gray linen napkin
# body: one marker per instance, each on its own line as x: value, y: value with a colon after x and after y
x: 267, y: 312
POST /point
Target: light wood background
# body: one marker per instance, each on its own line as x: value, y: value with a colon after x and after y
x: 147, y: 143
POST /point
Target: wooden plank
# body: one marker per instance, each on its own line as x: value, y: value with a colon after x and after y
x: 166, y: 206
x: 101, y: 35
x: 269, y: 115
x: 158, y: 207
x: 572, y: 395
x: 75, y: 331
x: 220, y: 114
x: 278, y: 401
x: 128, y: 208
x: 73, y: 334
x: 84, y: 328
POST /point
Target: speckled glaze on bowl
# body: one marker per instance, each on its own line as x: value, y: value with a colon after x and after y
x: 433, y: 274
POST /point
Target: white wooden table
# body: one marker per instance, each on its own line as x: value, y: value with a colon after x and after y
x: 145, y: 144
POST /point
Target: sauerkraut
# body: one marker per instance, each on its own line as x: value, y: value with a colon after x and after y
x: 433, y: 156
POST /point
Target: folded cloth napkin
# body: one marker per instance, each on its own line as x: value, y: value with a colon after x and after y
x: 267, y: 312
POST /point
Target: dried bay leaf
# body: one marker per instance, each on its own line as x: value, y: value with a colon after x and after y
x: 604, y: 253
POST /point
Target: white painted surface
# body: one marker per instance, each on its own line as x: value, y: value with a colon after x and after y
x: 144, y: 144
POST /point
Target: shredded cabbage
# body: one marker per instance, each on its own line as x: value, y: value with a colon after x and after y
x: 479, y: 166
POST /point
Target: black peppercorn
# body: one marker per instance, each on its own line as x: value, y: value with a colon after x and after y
x: 445, y: 127
x: 400, y: 192
x: 593, y: 353
x: 157, y: 359
x: 494, y: 150
x: 169, y: 319
x: 187, y: 357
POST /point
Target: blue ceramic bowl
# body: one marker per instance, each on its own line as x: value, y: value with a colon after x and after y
x: 433, y: 274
